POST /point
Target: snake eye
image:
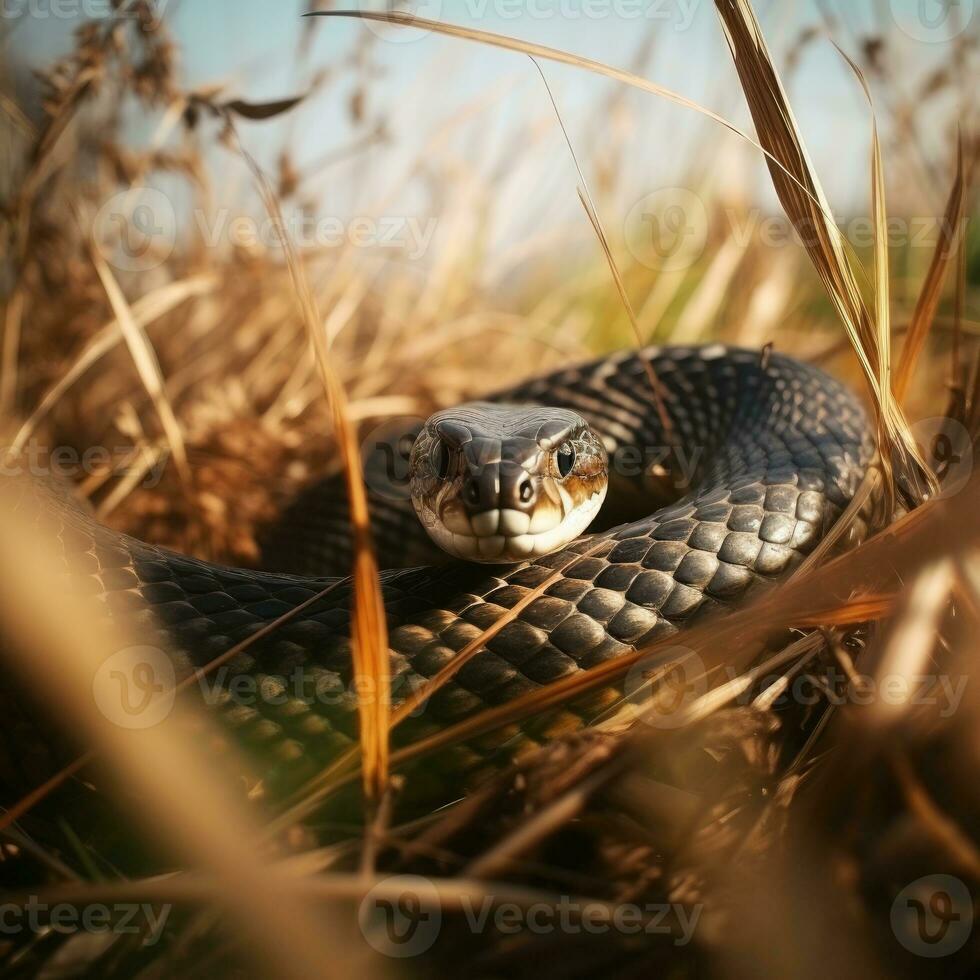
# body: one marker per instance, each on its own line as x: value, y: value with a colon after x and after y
x: 566, y: 459
x: 441, y: 459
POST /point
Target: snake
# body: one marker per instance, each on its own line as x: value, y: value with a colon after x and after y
x: 719, y: 480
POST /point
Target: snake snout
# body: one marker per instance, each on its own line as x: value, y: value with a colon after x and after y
x: 504, y: 486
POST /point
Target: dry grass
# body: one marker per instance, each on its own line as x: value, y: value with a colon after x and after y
x: 788, y: 828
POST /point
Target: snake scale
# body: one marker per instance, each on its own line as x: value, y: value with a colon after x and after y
x: 764, y: 455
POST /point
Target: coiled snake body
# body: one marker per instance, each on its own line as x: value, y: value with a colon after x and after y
x: 766, y: 453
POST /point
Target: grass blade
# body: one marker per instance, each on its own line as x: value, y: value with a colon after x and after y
x: 928, y: 302
x: 147, y: 365
x: 369, y: 627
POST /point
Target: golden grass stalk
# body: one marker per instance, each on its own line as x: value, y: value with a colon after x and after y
x: 144, y: 311
x: 923, y: 317
x: 147, y: 365
x: 588, y: 203
x: 806, y: 204
x: 908, y: 652
x: 954, y: 838
x: 12, y: 324
x: 882, y: 290
x: 42, y: 165
x: 369, y: 628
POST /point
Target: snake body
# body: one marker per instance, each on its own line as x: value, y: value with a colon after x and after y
x: 764, y: 454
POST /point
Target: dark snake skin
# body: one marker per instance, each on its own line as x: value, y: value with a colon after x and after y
x: 775, y: 450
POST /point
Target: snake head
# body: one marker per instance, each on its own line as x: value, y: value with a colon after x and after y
x: 504, y: 483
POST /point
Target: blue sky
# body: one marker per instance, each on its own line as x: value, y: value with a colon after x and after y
x: 250, y: 47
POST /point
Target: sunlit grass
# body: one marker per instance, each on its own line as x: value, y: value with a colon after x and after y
x: 257, y: 369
